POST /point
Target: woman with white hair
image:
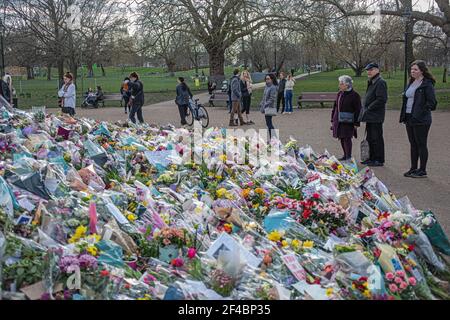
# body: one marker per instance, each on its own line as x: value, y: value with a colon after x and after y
x: 345, y: 114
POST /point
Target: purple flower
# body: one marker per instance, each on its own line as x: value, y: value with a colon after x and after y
x: 87, y: 261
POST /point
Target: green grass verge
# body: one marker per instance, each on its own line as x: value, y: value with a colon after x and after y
x: 328, y: 82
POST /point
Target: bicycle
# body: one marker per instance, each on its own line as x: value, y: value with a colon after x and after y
x: 198, y: 112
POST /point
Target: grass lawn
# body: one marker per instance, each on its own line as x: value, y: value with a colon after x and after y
x: 328, y: 82
x: 158, y: 85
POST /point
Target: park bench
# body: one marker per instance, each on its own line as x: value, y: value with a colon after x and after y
x: 111, y: 97
x: 316, y: 97
x: 218, y: 97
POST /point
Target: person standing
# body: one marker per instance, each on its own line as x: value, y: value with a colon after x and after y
x: 246, y: 87
x: 182, y: 99
x: 419, y: 100
x: 289, y: 93
x: 345, y: 114
x: 280, y: 97
x: 136, y: 98
x: 125, y: 92
x: 374, y: 114
x: 67, y: 95
x: 236, y: 95
x: 269, y: 100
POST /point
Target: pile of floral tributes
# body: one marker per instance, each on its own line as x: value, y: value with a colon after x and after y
x: 92, y: 210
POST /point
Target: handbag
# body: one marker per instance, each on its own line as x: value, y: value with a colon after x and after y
x: 271, y: 111
x: 346, y: 117
x: 365, y: 149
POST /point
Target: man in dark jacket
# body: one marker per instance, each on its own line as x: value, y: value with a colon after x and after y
x: 137, y: 98
x: 280, y: 97
x: 373, y: 115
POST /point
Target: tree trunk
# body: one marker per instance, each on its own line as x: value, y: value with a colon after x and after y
x: 216, y: 61
x: 171, y: 65
x: 446, y: 60
x: 103, y: 70
x: 49, y: 72
x: 60, y: 70
x: 30, y: 73
x: 90, y: 67
x: 358, y: 71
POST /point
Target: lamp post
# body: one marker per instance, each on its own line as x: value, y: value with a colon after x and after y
x: 275, y: 62
x: 406, y: 17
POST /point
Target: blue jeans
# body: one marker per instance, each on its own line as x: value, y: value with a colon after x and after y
x: 288, y: 98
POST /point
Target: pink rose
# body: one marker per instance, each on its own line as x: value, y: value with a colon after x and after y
x: 393, y: 288
x: 412, y: 281
x: 390, y: 276
x: 400, y: 273
x: 403, y: 285
x: 398, y: 280
x: 191, y: 253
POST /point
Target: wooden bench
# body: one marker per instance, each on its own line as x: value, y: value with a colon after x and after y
x: 111, y: 97
x: 218, y: 97
x: 316, y: 97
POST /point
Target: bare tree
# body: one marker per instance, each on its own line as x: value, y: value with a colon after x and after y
x: 218, y: 24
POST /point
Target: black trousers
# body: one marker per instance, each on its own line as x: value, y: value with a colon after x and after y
x: 280, y: 98
x: 182, y: 109
x: 125, y: 101
x: 418, y: 136
x: 269, y: 124
x: 246, y: 102
x: 136, y: 110
x: 376, y: 141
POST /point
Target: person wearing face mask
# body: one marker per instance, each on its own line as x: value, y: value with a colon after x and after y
x: 418, y: 101
x: 373, y: 114
x: 345, y: 114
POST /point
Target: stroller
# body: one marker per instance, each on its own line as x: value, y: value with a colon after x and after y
x: 92, y: 99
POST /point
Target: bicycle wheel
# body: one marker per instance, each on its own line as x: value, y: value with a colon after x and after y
x: 203, y: 116
x: 189, y: 117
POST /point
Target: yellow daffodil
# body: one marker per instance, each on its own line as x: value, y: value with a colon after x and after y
x: 131, y: 217
x: 296, y: 244
x: 256, y: 205
x: 284, y: 243
x: 274, y: 236
x: 218, y: 177
x: 80, y: 231
x: 367, y: 294
x: 329, y: 292
x: 308, y: 244
x: 92, y: 250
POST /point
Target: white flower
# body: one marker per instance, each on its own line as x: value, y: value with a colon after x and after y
x: 428, y: 220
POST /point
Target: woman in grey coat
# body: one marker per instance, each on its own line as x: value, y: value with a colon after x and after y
x: 269, y: 100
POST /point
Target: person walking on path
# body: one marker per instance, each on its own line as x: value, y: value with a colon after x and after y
x: 374, y: 114
x: 246, y: 87
x: 182, y: 99
x: 137, y: 98
x: 268, y: 102
x: 125, y: 92
x: 289, y: 93
x: 280, y: 97
x: 345, y: 114
x: 418, y: 101
x: 236, y: 95
x: 67, y: 95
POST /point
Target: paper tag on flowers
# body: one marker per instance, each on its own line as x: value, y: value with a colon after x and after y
x: 290, y: 260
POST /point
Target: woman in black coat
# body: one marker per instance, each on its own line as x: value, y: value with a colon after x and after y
x: 418, y: 101
x: 345, y: 114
